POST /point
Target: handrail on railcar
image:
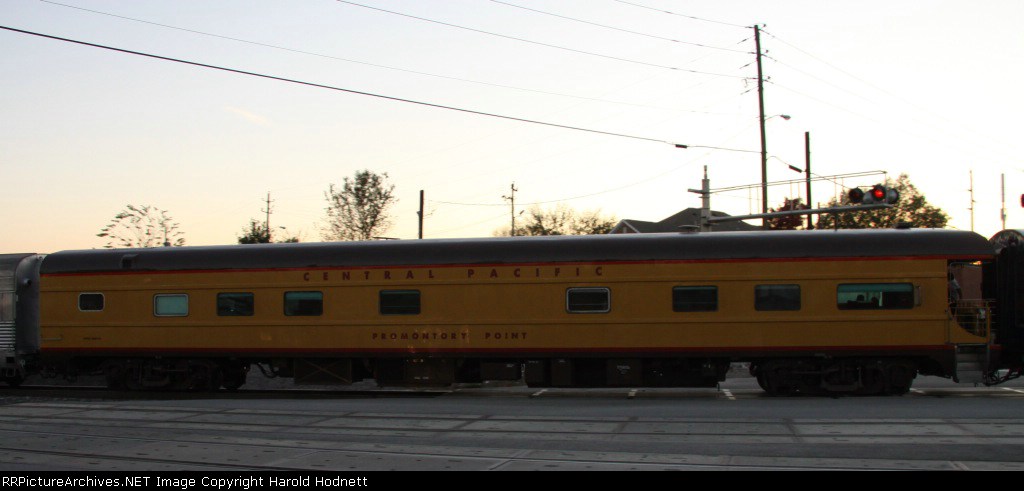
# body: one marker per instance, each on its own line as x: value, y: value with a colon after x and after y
x: 973, y: 316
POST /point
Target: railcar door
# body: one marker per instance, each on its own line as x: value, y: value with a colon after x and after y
x: 17, y: 316
x: 1004, y: 281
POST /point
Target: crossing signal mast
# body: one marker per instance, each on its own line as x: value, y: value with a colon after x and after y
x: 877, y: 197
x: 878, y: 194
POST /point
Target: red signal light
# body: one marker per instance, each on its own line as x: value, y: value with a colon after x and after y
x: 878, y: 193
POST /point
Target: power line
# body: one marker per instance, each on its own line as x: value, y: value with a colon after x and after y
x: 621, y: 29
x: 683, y: 15
x: 555, y: 46
x: 606, y: 191
x: 376, y: 65
x: 351, y: 91
x: 876, y: 87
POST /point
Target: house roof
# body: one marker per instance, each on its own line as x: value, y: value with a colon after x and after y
x: 689, y: 217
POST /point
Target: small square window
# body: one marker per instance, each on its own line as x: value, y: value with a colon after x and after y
x: 400, y: 302
x: 587, y: 300
x: 777, y: 297
x: 170, y: 305
x: 303, y: 303
x: 90, y: 302
x: 235, y: 304
x: 695, y: 299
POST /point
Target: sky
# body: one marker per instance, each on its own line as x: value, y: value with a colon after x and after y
x: 927, y: 88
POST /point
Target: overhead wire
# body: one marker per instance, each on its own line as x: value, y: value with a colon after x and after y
x: 692, y: 17
x: 539, y: 43
x: 359, y: 92
x: 272, y: 77
x: 930, y: 113
x: 360, y: 62
x: 606, y: 191
x: 638, y: 33
x: 333, y: 57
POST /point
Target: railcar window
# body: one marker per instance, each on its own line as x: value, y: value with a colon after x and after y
x: 777, y: 297
x: 90, y: 302
x: 587, y: 300
x: 170, y: 305
x: 400, y: 302
x: 875, y: 296
x: 235, y: 304
x: 303, y: 303
x: 695, y: 298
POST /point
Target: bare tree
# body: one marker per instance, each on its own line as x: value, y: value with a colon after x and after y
x: 142, y: 226
x: 359, y: 210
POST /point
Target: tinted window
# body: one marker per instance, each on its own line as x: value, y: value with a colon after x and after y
x: 875, y: 296
x: 90, y: 302
x: 400, y: 302
x: 303, y: 303
x: 588, y: 300
x: 232, y: 304
x: 695, y: 298
x: 777, y: 297
x: 170, y: 305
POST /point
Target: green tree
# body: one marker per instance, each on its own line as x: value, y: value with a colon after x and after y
x: 562, y: 220
x: 142, y: 226
x: 360, y: 209
x: 788, y: 222
x: 912, y: 208
x: 256, y: 233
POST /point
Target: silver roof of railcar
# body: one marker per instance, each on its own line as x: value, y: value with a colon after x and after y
x: 519, y: 250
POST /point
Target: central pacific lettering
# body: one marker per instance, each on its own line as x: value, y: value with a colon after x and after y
x: 421, y: 274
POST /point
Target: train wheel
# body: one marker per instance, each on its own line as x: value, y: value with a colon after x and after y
x: 235, y: 375
x: 901, y: 377
x: 761, y: 382
x: 114, y: 374
x: 202, y: 375
x: 778, y: 380
x: 133, y: 373
x: 873, y: 380
x: 15, y: 380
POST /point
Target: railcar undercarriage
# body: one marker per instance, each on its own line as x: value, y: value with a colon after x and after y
x: 860, y: 376
x: 776, y: 376
x: 177, y: 374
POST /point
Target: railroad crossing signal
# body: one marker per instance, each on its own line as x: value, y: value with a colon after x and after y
x: 878, y: 194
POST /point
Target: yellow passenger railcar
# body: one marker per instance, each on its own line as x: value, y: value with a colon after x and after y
x: 845, y: 311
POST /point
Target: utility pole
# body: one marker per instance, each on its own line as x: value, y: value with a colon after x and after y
x: 267, y: 223
x: 807, y: 170
x: 1002, y: 212
x: 420, y: 214
x: 764, y: 144
x: 971, y: 190
x: 512, y: 199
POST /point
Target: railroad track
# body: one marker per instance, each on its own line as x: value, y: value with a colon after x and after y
x: 99, y: 392
x: 366, y: 435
